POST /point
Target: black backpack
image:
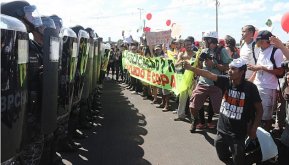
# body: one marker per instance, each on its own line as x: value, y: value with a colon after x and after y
x: 274, y: 63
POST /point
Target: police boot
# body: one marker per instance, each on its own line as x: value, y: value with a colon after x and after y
x: 78, y: 135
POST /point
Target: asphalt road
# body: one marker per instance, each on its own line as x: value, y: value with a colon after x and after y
x: 131, y: 131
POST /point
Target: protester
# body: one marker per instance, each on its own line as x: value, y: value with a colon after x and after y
x: 183, y: 96
x: 118, y: 65
x: 241, y: 102
x: 266, y: 79
x: 215, y: 60
x: 111, y: 63
x: 231, y: 46
x: 248, y: 50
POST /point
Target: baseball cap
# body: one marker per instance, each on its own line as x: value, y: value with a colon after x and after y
x: 238, y: 63
x: 263, y: 35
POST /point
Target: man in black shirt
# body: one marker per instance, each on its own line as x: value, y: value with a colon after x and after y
x: 240, y: 113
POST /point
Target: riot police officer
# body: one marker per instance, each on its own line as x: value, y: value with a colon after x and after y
x: 14, y: 59
x: 32, y: 135
x: 40, y: 118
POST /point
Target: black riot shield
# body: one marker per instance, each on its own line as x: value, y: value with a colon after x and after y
x: 88, y: 73
x: 50, y: 80
x: 98, y: 67
x: 95, y: 66
x: 68, y: 63
x: 14, y: 95
x: 83, y: 51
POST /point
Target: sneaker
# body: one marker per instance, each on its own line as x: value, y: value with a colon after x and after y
x: 165, y: 109
x: 180, y: 119
x: 201, y: 126
x: 211, y: 125
x: 154, y: 102
x: 175, y: 112
x: 160, y: 106
x: 193, y: 127
x: 133, y: 92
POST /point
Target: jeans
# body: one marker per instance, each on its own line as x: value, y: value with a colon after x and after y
x: 227, y: 146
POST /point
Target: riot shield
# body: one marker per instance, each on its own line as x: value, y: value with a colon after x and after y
x: 99, y: 43
x: 50, y: 80
x: 83, y: 51
x: 14, y: 95
x: 88, y: 72
x: 68, y: 63
x: 94, y: 70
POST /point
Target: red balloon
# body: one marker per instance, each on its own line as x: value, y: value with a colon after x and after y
x: 149, y: 16
x: 168, y: 22
x: 285, y: 22
x: 146, y: 29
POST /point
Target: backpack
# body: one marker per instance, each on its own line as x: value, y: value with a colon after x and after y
x: 253, y: 51
x: 274, y: 63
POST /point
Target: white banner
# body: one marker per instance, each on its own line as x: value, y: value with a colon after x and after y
x: 155, y: 38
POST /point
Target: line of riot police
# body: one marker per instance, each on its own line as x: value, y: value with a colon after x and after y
x: 49, y: 85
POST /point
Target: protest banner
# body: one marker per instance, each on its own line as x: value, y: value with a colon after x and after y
x: 157, y: 72
x: 155, y: 38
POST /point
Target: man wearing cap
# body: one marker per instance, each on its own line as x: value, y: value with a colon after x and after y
x: 265, y: 79
x: 240, y: 113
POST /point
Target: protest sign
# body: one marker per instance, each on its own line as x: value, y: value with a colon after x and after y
x: 155, y: 38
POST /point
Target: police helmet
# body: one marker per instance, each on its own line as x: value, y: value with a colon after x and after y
x: 57, y: 21
x: 90, y: 32
x: 46, y: 23
x: 23, y: 11
x: 77, y: 28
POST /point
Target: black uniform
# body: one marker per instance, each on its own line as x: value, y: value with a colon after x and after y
x: 33, y: 137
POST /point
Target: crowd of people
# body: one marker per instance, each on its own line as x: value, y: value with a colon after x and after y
x: 247, y: 86
x: 244, y: 85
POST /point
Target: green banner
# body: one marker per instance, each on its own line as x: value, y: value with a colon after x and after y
x: 157, y: 71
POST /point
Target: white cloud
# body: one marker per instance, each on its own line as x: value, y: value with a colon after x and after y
x: 279, y: 6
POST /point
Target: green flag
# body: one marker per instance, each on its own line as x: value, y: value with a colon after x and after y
x: 269, y: 23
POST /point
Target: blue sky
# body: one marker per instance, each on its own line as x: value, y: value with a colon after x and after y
x: 191, y: 17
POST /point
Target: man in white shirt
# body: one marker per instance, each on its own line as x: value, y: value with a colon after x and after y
x: 248, y: 51
x: 266, y: 80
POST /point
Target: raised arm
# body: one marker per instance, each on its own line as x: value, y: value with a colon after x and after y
x: 200, y: 72
x: 278, y: 43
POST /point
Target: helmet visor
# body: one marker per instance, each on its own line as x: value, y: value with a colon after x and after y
x: 32, y: 15
x: 46, y: 23
x: 58, y: 21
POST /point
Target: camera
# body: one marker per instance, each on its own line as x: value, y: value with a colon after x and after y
x: 285, y: 64
x: 205, y: 56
